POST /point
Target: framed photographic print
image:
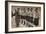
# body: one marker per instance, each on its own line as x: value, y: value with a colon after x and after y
x: 23, y: 16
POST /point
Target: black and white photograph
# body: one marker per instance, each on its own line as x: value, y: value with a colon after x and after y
x: 24, y: 16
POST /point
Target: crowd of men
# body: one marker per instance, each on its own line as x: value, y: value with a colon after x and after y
x: 31, y: 15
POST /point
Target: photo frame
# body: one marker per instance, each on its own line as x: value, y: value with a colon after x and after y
x: 23, y: 16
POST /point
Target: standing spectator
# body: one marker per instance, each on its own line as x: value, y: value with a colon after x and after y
x: 36, y: 16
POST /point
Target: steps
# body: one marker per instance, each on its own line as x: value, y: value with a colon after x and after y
x: 25, y: 23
